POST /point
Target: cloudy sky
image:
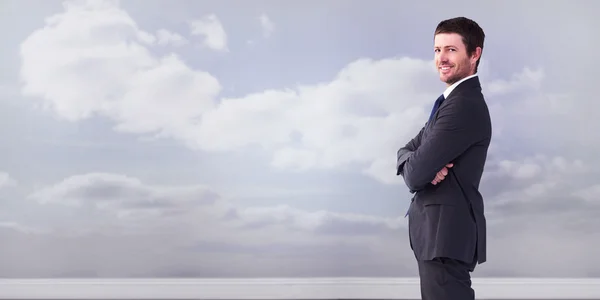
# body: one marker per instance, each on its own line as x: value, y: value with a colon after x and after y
x: 252, y: 139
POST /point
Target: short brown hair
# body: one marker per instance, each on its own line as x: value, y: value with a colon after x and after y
x: 472, y: 35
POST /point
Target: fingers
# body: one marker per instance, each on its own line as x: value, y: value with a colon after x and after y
x: 443, y: 172
x: 441, y: 175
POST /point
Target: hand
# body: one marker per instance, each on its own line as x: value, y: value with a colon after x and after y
x: 441, y: 175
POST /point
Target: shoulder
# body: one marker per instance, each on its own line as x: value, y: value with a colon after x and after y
x: 467, y: 97
x: 467, y: 107
x: 466, y: 100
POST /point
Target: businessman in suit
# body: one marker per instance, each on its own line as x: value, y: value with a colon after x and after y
x: 442, y: 167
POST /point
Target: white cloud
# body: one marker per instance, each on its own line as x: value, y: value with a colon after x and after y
x: 117, y: 192
x: 541, y: 202
x: 166, y: 37
x: 369, y: 109
x: 21, y: 228
x: 318, y: 221
x: 266, y: 25
x: 531, y: 178
x: 195, y: 231
x: 95, y: 63
x: 520, y: 171
x: 129, y: 199
x: 6, y: 180
x: 590, y: 194
x: 525, y: 81
x: 212, y: 31
x: 540, y: 184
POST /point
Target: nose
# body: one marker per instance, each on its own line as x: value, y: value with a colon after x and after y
x: 442, y: 56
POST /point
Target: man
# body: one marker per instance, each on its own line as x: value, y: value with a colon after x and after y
x: 442, y: 167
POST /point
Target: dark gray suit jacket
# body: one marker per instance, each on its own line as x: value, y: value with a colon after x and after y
x: 447, y: 219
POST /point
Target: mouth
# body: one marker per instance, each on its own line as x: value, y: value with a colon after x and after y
x: 444, y: 69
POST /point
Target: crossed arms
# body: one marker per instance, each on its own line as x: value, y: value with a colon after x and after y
x: 455, y: 131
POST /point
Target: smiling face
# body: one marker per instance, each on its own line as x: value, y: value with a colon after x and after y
x: 451, y: 58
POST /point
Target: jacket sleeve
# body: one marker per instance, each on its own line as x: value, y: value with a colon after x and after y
x: 454, y: 131
x: 405, y: 151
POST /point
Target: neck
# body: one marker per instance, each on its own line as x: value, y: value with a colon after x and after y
x: 460, y: 79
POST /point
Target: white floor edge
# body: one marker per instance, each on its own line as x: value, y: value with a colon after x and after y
x: 288, y: 288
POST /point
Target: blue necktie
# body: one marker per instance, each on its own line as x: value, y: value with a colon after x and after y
x: 436, y: 105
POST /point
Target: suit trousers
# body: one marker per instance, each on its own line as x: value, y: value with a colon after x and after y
x: 446, y: 279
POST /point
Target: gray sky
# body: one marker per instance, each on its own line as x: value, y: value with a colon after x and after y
x: 218, y: 138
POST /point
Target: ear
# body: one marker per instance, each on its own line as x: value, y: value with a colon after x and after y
x: 476, y: 54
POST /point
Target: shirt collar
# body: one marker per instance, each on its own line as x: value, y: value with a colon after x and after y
x: 454, y: 85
